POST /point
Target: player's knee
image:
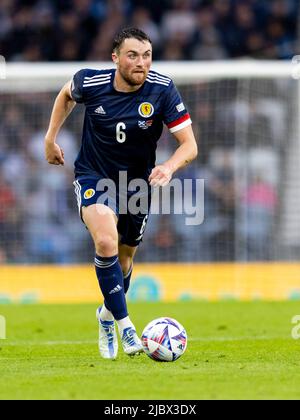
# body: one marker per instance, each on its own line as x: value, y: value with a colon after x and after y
x: 106, y: 245
x: 126, y: 263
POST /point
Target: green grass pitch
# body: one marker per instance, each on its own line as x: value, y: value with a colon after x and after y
x: 235, y: 351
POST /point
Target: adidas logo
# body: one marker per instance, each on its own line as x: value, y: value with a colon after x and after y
x: 100, y: 110
x: 115, y: 290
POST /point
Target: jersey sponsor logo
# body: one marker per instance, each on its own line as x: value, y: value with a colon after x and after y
x: 100, y: 110
x: 144, y: 125
x: 89, y: 194
x: 146, y: 110
x: 180, y: 107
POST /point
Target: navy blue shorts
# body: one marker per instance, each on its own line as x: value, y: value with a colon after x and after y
x: 131, y: 226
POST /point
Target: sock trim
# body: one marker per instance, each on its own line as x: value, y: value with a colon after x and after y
x: 101, y: 264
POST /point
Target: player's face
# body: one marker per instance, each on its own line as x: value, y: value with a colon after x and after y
x: 134, y: 61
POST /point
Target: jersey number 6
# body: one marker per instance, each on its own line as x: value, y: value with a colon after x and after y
x: 120, y: 134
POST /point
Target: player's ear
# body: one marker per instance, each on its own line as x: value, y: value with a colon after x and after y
x: 115, y: 58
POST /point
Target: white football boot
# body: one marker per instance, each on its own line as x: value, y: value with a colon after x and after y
x: 131, y: 343
x: 108, y: 340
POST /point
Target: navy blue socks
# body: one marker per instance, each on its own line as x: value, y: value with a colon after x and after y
x: 111, y: 282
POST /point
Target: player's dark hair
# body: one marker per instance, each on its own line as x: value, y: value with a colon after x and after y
x: 129, y: 33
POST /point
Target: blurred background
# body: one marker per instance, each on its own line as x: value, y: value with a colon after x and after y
x: 72, y: 30
x: 248, y: 129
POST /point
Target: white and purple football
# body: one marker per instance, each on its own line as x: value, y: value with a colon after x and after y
x: 164, y: 340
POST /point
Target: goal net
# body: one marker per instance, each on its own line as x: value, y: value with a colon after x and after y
x: 246, y: 120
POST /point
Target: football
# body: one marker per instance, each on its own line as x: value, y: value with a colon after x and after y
x: 164, y: 340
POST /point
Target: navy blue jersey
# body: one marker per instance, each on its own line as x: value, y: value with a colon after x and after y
x: 121, y: 130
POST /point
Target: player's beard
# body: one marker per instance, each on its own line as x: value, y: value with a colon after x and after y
x: 134, y: 79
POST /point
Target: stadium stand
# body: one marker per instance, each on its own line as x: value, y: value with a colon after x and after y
x: 43, y: 30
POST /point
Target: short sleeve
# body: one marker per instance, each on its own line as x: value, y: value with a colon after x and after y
x: 77, y: 86
x: 175, y: 114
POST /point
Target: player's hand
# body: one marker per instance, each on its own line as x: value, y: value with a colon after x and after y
x: 160, y: 176
x: 54, y: 154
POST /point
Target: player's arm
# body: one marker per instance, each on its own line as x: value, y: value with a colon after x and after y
x: 63, y: 106
x: 184, y: 155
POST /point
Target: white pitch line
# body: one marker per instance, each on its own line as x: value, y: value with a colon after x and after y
x: 245, y: 338
x: 47, y: 343
x: 91, y: 342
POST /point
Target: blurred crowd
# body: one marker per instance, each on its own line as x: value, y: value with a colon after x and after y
x: 75, y: 30
x: 242, y: 145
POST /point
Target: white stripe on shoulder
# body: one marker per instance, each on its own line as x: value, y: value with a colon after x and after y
x: 158, y: 82
x: 100, y: 79
x: 158, y: 79
x: 159, y: 76
x: 107, y: 82
x: 98, y: 76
